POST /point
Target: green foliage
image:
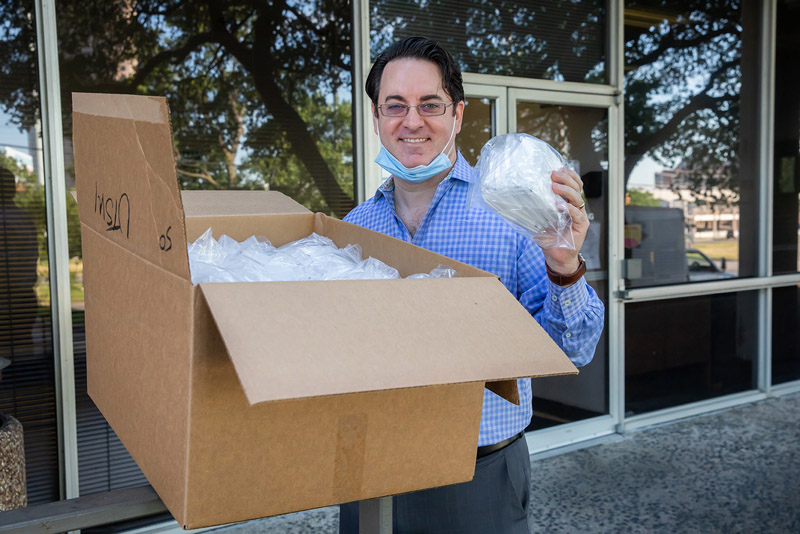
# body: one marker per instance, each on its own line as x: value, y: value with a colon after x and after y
x: 230, y: 73
x: 279, y: 166
x: 638, y: 197
x: 31, y: 197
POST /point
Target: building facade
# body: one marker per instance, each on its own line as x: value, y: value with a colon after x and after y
x: 682, y: 117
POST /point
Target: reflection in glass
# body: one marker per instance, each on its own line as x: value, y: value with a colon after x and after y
x: 785, y: 334
x: 27, y: 388
x: 478, y: 126
x: 561, y: 40
x: 581, y: 135
x: 260, y: 98
x: 684, y: 350
x: 691, y: 128
x: 786, y: 215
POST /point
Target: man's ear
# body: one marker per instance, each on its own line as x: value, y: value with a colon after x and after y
x: 374, y: 118
x: 459, y: 115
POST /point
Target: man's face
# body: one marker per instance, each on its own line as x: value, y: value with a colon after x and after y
x: 414, y: 139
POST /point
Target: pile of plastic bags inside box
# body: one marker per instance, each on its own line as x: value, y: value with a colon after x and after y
x: 312, y: 258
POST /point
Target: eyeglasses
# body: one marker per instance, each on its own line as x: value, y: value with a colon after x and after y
x: 426, y: 109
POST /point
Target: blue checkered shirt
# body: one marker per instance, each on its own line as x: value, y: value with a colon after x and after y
x: 572, y: 316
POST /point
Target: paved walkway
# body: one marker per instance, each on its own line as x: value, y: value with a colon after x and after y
x: 736, y: 471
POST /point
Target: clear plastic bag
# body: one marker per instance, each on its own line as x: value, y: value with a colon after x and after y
x: 314, y: 257
x: 255, y: 259
x: 442, y: 271
x: 513, y: 179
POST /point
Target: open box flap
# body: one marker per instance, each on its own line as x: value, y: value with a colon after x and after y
x: 127, y: 186
x: 505, y: 388
x: 291, y: 340
x: 230, y: 203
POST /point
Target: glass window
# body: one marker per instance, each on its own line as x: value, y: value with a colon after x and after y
x: 785, y: 334
x: 260, y: 98
x: 691, y: 138
x: 478, y: 126
x: 550, y: 39
x: 684, y: 350
x: 581, y: 135
x: 786, y: 216
x: 27, y: 386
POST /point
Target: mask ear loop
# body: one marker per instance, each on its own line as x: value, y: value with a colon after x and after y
x: 452, y: 137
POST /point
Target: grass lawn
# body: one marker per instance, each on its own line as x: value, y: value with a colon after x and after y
x: 728, y: 249
x: 42, y: 287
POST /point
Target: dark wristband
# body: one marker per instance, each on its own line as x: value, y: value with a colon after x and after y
x: 567, y: 279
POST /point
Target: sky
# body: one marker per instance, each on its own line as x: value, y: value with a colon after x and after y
x: 643, y: 175
x: 15, y: 144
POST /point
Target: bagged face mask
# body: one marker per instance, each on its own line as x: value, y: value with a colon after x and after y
x: 417, y: 174
x: 513, y: 179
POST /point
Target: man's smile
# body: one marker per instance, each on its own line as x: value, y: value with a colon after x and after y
x: 414, y: 139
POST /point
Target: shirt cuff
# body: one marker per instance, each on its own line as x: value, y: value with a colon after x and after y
x: 566, y: 302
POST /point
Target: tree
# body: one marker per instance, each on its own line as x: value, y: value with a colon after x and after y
x: 638, y: 197
x: 228, y: 70
x: 683, y: 88
x: 554, y: 39
x: 30, y: 197
x: 683, y: 82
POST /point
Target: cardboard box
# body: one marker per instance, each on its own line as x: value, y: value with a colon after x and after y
x: 246, y: 400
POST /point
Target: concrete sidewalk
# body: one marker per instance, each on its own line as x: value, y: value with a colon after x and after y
x: 736, y: 471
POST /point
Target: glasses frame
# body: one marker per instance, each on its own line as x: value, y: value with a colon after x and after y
x: 417, y: 106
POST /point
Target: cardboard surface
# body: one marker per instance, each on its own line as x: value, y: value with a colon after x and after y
x: 125, y: 176
x: 241, y: 401
x: 466, y: 330
x: 238, y: 203
x: 306, y: 453
x: 138, y: 358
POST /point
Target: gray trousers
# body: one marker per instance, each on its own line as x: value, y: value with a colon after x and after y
x: 495, y: 501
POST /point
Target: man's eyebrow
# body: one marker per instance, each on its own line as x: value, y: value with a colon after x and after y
x: 425, y: 98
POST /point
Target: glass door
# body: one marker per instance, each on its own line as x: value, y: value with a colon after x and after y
x: 484, y: 118
x: 578, y: 127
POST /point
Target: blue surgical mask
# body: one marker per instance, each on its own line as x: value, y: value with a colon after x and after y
x: 420, y: 173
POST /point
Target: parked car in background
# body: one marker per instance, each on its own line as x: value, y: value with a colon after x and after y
x: 702, y: 268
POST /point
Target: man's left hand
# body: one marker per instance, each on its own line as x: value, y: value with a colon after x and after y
x: 568, y: 185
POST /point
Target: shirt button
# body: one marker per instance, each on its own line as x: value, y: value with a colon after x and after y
x: 567, y: 302
x: 555, y: 298
x: 569, y: 335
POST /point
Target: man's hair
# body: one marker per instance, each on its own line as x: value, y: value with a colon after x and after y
x: 418, y: 48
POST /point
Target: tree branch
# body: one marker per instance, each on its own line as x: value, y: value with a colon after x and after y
x: 177, y: 55
x: 699, y: 101
x: 671, y: 42
x: 303, y: 144
x: 201, y: 176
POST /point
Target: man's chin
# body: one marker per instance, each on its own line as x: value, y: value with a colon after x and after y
x: 415, y: 161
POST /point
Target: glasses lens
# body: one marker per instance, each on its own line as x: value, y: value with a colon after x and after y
x: 431, y: 108
x: 394, y: 110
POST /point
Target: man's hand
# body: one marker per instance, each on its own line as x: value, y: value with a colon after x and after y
x: 568, y: 185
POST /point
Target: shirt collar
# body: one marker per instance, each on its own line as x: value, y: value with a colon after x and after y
x: 460, y: 171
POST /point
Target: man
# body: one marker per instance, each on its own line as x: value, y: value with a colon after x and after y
x: 418, y: 105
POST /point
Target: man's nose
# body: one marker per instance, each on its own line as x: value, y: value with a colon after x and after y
x: 413, y: 118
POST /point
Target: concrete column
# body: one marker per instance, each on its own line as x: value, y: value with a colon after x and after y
x: 13, y: 492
